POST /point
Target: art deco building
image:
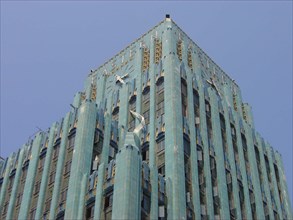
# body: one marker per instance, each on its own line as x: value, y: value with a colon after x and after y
x: 197, y: 157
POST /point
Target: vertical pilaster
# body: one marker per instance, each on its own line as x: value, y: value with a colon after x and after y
x: 284, y: 188
x: 127, y: 190
x: 76, y: 100
x: 248, y: 212
x: 203, y: 132
x: 217, y: 142
x: 138, y: 84
x: 30, y: 178
x: 271, y: 155
x: 15, y: 185
x: 123, y: 114
x: 265, y: 177
x: 81, y: 161
x: 174, y: 155
x: 104, y: 160
x: 254, y: 173
x: 5, y: 182
x: 45, y: 175
x: 60, y: 166
x: 231, y: 157
x: 193, y: 147
x: 99, y: 192
x: 101, y: 83
x: 152, y: 144
x: 80, y: 213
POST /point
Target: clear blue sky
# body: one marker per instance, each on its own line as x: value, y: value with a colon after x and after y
x: 48, y: 48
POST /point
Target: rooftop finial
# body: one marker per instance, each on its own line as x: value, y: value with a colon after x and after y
x: 168, y: 17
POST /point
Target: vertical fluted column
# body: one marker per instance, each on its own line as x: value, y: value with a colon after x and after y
x: 270, y: 153
x: 138, y: 84
x: 81, y: 161
x: 127, y: 190
x: 284, y: 188
x: 254, y: 172
x: 101, y: 84
x: 231, y: 157
x: 154, y: 209
x: 5, y: 182
x: 60, y: 166
x: 193, y: 147
x: 76, y: 100
x: 80, y: 213
x: 174, y: 153
x: 265, y: 176
x: 15, y: 185
x: 206, y: 154
x: 123, y: 114
x: 30, y: 178
x: 242, y: 166
x: 104, y: 160
x: 99, y: 192
x: 45, y: 175
x: 217, y: 142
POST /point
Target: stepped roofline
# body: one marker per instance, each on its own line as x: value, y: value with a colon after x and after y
x: 166, y: 19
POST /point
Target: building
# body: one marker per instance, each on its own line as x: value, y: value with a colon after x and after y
x: 197, y: 157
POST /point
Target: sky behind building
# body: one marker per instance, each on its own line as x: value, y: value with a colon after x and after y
x: 48, y: 48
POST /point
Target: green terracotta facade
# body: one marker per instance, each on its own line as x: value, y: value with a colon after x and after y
x: 197, y: 157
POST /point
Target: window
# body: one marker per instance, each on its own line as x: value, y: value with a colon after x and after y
x: 67, y: 167
x: 63, y: 195
x: 209, y: 121
x: 131, y: 118
x: 160, y: 85
x: 115, y: 113
x: 131, y: 124
x: 56, y: 151
x: 37, y: 187
x: 41, y: 163
x: 32, y: 213
x: 244, y: 145
x: 18, y: 199
x: 71, y: 141
x: 90, y: 212
x: 24, y: 172
x: 196, y: 107
x: 145, y: 153
x: 146, y: 94
x: 146, y: 104
x: 108, y: 201
x: 145, y: 203
x: 47, y: 205
x: 11, y: 180
x: 257, y: 155
x: 132, y: 103
x: 160, y: 108
x: 146, y: 115
x: 51, y: 177
x: 160, y: 145
x: 186, y: 144
x: 184, y: 97
x: 112, y: 152
x: 160, y: 97
x: 161, y: 170
x: 5, y: 207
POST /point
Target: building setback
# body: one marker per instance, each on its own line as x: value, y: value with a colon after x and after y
x: 197, y: 157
